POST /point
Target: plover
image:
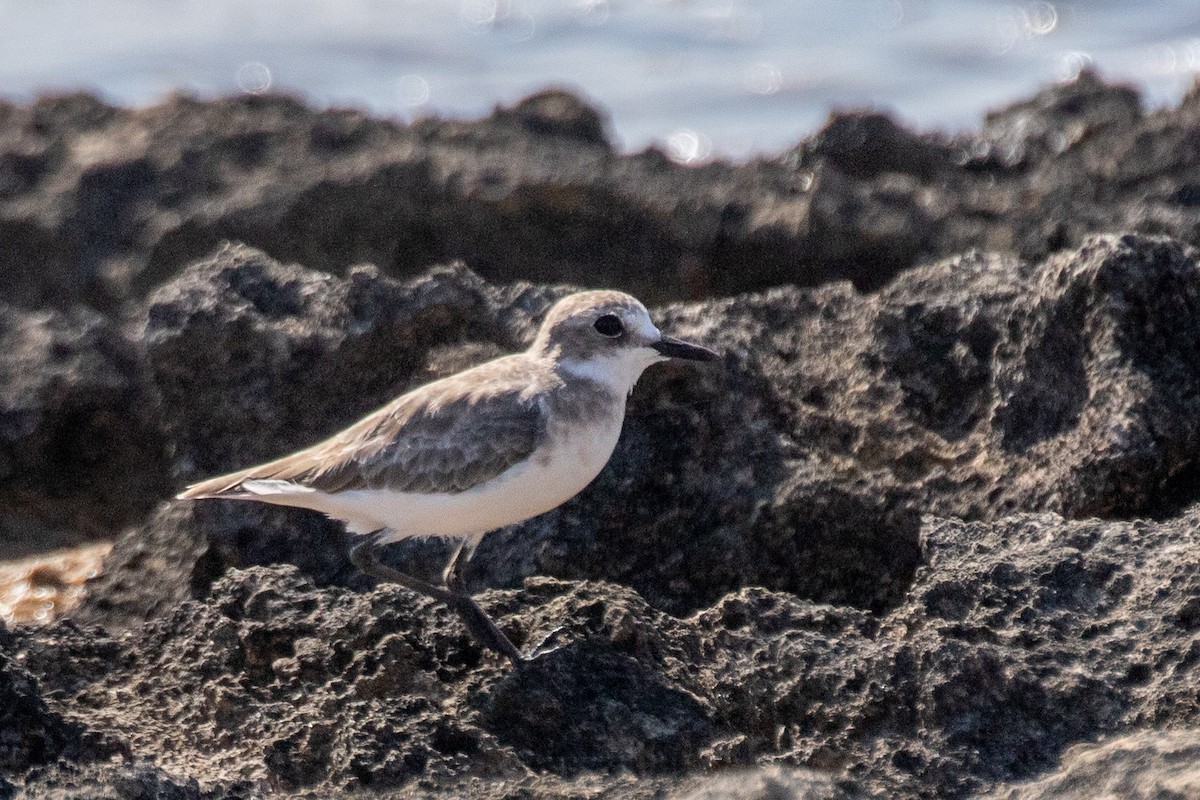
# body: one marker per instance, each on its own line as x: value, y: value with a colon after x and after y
x: 488, y: 447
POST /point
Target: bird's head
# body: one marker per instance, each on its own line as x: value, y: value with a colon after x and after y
x: 608, y: 337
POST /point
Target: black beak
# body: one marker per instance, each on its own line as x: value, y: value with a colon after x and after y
x: 673, y: 348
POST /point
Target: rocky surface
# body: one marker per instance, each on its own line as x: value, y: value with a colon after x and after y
x: 1016, y: 639
x: 935, y: 539
x: 30, y: 733
x: 82, y: 449
x: 100, y: 204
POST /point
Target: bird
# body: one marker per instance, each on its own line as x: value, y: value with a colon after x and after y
x: 488, y: 447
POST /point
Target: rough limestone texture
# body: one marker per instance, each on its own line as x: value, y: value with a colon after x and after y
x: 30, y: 734
x: 930, y: 531
x: 1015, y: 640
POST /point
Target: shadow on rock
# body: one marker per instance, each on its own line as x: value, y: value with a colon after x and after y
x: 82, y: 449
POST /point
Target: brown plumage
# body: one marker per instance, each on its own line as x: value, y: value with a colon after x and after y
x: 448, y: 436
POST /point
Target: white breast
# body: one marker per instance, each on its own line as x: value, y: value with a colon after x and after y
x: 551, y: 476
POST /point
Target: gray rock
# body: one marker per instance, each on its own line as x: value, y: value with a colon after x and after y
x: 773, y: 783
x: 171, y: 557
x: 30, y: 733
x: 294, y: 687
x: 82, y: 449
x: 1017, y: 639
x: 116, y: 781
x: 99, y: 205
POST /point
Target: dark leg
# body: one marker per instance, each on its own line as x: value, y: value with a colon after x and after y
x: 486, y: 632
x: 452, y: 574
x: 362, y: 555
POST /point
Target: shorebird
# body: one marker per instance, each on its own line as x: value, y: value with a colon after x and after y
x: 491, y: 446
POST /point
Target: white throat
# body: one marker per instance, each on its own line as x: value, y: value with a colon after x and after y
x: 620, y: 372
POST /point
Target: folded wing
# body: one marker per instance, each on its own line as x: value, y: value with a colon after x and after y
x: 432, y: 441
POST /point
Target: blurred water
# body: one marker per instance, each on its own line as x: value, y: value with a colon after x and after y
x: 702, y: 77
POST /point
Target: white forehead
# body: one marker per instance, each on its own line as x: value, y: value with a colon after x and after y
x: 643, y: 325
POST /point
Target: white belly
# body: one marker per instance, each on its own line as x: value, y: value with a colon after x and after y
x: 550, y: 477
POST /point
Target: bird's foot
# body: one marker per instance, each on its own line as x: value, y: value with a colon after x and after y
x: 478, y: 623
x: 544, y: 646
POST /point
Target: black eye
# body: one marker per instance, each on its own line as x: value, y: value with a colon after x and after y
x: 609, y: 325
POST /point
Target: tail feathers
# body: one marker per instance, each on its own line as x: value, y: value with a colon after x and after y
x: 267, y: 487
x: 239, y: 487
